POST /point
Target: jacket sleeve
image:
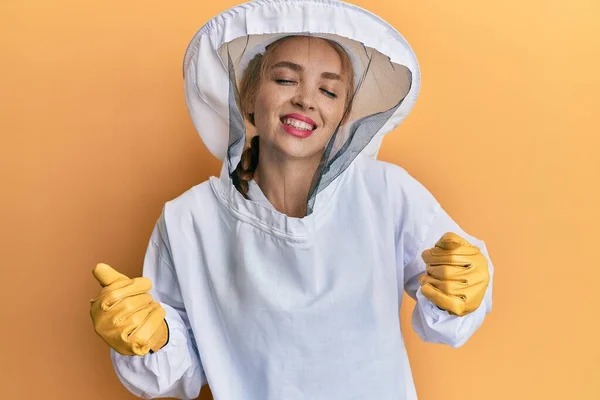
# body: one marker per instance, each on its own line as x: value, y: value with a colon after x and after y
x: 425, y: 225
x: 175, y: 370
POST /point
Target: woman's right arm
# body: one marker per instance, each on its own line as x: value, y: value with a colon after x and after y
x: 175, y: 370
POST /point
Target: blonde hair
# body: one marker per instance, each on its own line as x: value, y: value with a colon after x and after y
x: 253, y: 76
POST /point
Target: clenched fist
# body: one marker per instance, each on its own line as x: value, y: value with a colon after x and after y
x: 457, y: 275
x: 125, y: 315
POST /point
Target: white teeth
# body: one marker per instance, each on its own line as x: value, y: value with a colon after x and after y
x: 298, y: 124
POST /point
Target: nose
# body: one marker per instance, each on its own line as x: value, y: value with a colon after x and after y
x: 304, y: 98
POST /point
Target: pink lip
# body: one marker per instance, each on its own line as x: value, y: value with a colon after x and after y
x: 301, y: 133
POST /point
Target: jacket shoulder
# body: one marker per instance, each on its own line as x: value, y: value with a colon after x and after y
x: 196, y: 199
x: 384, y: 175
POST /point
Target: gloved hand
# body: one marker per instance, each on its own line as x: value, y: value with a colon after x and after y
x: 457, y: 275
x: 125, y: 315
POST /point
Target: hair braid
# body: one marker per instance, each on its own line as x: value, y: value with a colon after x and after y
x: 246, y: 167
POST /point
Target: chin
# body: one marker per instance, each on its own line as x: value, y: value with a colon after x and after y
x: 295, y: 148
x: 298, y: 152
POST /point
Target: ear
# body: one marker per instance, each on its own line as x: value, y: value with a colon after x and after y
x: 250, y: 112
x: 251, y: 107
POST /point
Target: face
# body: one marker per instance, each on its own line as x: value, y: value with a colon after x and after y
x: 301, y: 98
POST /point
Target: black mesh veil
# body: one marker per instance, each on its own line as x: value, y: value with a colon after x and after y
x: 380, y: 87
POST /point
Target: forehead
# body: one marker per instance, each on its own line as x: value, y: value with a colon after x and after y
x: 309, y: 52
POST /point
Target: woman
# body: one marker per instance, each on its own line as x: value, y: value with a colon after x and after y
x: 283, y: 278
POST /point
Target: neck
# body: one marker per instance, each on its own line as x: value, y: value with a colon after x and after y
x: 286, y: 181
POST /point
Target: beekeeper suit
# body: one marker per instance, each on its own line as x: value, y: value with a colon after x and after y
x: 264, y: 306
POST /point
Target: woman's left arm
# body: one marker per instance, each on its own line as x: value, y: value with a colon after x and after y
x: 430, y: 322
x: 425, y: 222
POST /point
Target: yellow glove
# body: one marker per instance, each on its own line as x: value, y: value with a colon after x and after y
x: 125, y: 315
x: 457, y: 275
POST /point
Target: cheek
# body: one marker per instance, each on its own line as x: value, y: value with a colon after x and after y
x: 335, y: 112
x: 261, y: 112
x: 268, y: 101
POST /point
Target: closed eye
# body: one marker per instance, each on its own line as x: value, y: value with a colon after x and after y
x: 330, y: 94
x: 288, y: 82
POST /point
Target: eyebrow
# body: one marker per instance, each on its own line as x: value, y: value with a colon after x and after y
x: 299, y: 68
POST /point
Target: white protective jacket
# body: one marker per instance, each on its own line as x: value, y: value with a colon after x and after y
x: 266, y: 307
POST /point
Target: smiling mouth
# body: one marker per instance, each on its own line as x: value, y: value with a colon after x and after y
x: 297, y: 124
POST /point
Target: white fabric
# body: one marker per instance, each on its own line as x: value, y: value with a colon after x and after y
x: 206, y: 73
x: 267, y: 307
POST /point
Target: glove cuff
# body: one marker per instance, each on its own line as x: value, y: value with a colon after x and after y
x: 168, y: 337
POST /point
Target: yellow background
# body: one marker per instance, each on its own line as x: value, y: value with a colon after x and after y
x: 96, y: 137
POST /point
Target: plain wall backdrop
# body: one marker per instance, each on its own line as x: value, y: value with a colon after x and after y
x: 96, y: 138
